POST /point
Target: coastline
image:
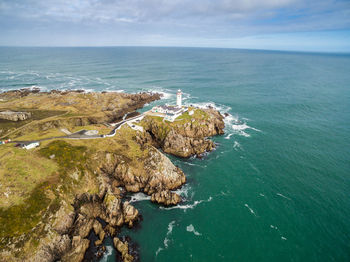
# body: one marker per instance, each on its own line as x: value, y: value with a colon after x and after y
x: 141, y: 168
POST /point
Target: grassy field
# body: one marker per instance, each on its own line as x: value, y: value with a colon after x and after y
x: 21, y: 170
x: 7, y: 125
x: 56, y: 132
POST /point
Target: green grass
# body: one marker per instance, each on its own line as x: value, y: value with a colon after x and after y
x: 19, y: 219
x: 20, y: 171
x: 66, y: 155
x: 198, y: 114
x: 7, y: 126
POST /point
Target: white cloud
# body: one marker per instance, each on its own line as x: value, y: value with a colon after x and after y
x: 187, y: 21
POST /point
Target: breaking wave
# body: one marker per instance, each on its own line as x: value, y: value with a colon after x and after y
x: 107, y: 254
x: 184, y: 191
x: 185, y: 207
x: 139, y: 197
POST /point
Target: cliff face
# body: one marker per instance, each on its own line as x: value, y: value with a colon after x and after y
x: 187, y: 137
x: 89, y: 187
x: 156, y: 176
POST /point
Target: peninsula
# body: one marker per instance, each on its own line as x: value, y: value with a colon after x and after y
x: 89, y: 152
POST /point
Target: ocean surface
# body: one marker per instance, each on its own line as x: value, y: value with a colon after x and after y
x: 277, y: 188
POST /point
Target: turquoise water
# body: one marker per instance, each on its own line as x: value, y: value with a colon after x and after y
x: 278, y: 186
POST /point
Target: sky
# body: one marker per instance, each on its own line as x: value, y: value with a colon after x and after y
x: 313, y: 25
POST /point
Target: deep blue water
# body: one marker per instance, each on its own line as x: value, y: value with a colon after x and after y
x: 278, y: 186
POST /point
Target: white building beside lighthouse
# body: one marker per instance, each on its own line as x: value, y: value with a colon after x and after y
x: 179, y: 98
x: 170, y: 112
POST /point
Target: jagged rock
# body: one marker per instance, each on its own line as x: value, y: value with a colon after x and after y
x: 130, y: 214
x: 158, y: 174
x: 77, y: 252
x: 92, y: 210
x: 82, y: 226
x: 110, y: 229
x: 65, y: 221
x: 185, y: 139
x: 114, y: 214
x: 166, y: 198
x: 98, y: 242
x: 54, y: 250
x: 123, y: 248
x: 99, y: 230
x: 183, y: 146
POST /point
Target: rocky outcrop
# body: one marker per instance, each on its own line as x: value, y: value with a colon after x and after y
x: 15, y: 116
x: 159, y: 175
x: 71, y: 229
x: 123, y: 248
x: 165, y: 197
x: 185, y: 139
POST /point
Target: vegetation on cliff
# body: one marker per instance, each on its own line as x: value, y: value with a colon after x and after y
x: 187, y: 135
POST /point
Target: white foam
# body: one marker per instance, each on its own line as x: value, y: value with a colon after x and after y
x: 228, y: 136
x: 107, y: 254
x: 222, y: 108
x: 158, y: 250
x: 235, y: 126
x: 251, y: 210
x: 283, y: 238
x: 170, y: 229
x: 166, y: 93
x: 261, y: 195
x: 183, y: 191
x: 274, y: 227
x: 116, y: 90
x: 190, y: 228
x: 185, y: 207
x: 139, y: 197
x: 166, y: 239
x: 237, y: 145
x: 279, y: 194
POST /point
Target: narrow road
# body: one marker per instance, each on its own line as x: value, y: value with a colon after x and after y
x: 81, y: 134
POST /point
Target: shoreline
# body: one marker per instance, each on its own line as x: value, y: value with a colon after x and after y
x: 113, y: 172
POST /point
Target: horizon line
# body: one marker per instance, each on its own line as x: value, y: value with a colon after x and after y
x: 194, y: 47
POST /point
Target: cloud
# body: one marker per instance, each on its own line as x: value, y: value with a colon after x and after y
x: 172, y: 19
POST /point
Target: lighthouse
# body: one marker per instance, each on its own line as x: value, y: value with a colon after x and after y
x: 179, y: 98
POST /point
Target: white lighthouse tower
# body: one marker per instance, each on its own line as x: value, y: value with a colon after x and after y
x: 179, y: 98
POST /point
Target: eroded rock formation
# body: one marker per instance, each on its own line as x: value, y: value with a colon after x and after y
x: 186, y: 139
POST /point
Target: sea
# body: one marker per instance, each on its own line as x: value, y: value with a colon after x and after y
x: 277, y: 187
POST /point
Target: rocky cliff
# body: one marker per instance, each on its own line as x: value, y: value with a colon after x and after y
x: 186, y: 137
x: 90, y: 188
x: 70, y: 189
